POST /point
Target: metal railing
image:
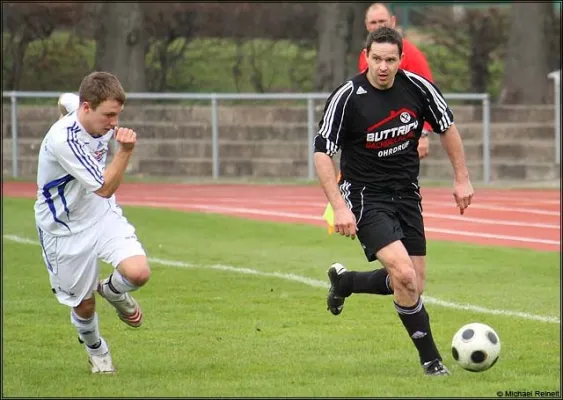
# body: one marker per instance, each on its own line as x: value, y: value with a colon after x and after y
x: 556, y: 76
x: 214, y: 99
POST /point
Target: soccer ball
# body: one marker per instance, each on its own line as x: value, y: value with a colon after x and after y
x: 476, y: 347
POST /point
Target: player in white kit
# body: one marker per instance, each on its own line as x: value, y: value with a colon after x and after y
x: 77, y: 219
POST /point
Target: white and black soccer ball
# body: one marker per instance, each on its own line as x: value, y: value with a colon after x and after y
x: 476, y: 347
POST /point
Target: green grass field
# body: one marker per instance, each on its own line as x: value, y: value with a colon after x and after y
x: 242, y: 313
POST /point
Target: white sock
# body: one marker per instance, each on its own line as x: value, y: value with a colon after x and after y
x: 101, y: 349
x: 87, y: 329
x: 117, y: 284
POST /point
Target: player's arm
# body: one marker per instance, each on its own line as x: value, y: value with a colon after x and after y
x: 453, y: 145
x: 113, y: 175
x: 74, y: 156
x: 440, y: 116
x: 327, y: 143
x: 68, y: 102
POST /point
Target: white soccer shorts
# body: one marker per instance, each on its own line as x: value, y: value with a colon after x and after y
x: 72, y: 261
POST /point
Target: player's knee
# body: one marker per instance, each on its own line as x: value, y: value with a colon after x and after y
x: 86, y: 308
x: 404, y: 278
x: 136, y: 270
x: 140, y: 275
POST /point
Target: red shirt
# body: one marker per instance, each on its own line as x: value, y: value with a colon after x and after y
x: 413, y: 61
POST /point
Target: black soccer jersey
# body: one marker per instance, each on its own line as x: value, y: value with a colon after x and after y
x: 378, y: 130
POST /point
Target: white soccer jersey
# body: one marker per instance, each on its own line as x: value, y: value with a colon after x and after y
x: 70, y: 169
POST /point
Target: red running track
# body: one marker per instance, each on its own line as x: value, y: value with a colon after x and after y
x: 511, y: 218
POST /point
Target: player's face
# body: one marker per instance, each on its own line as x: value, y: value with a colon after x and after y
x: 378, y: 17
x: 103, y: 118
x: 383, y: 62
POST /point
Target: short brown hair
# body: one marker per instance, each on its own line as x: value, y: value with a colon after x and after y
x: 98, y: 87
x: 385, y: 35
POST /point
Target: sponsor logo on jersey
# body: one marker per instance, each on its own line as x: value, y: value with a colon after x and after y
x: 399, y: 129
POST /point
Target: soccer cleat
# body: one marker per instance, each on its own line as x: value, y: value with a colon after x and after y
x: 435, y: 368
x: 101, y: 364
x: 125, y: 305
x: 334, y: 301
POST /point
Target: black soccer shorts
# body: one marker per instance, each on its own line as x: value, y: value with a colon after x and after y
x: 384, y: 217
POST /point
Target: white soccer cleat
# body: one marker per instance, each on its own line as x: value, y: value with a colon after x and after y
x: 127, y: 308
x: 101, y: 364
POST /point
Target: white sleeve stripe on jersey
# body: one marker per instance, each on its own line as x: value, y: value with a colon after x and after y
x: 83, y: 158
x: 88, y: 158
x: 438, y: 100
x: 328, y: 118
x: 342, y: 119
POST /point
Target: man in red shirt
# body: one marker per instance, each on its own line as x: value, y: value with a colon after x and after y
x: 378, y: 15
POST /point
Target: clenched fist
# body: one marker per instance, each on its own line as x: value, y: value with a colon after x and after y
x: 127, y: 138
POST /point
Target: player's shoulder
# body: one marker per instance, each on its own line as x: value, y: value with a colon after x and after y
x: 345, y: 86
x: 410, y: 77
x: 354, y: 83
x: 59, y: 131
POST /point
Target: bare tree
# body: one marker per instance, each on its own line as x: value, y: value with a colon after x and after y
x: 170, y: 28
x: 471, y: 35
x: 121, y: 43
x: 527, y: 60
x: 25, y: 23
x: 334, y: 32
x: 487, y: 33
x: 358, y: 31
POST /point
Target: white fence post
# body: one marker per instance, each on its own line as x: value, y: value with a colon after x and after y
x: 310, y: 136
x: 486, y: 140
x: 215, y: 136
x: 556, y: 76
x: 15, y: 160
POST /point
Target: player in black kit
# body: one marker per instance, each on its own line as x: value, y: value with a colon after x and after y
x: 376, y: 120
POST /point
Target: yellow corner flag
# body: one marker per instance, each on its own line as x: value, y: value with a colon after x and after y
x: 329, y: 218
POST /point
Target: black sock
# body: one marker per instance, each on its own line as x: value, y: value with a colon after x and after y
x: 417, y: 323
x: 374, y: 282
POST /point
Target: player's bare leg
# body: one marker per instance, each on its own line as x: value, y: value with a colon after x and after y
x: 409, y: 306
x: 419, y: 264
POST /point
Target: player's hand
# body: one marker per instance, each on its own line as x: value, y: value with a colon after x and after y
x: 423, y: 147
x: 127, y: 138
x: 463, y: 193
x: 345, y: 222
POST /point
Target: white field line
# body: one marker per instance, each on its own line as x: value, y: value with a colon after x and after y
x: 173, y: 201
x: 308, y: 217
x: 530, y: 210
x: 318, y: 202
x: 322, y: 284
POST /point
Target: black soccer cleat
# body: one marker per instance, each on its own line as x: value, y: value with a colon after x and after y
x: 334, y: 301
x: 435, y: 368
